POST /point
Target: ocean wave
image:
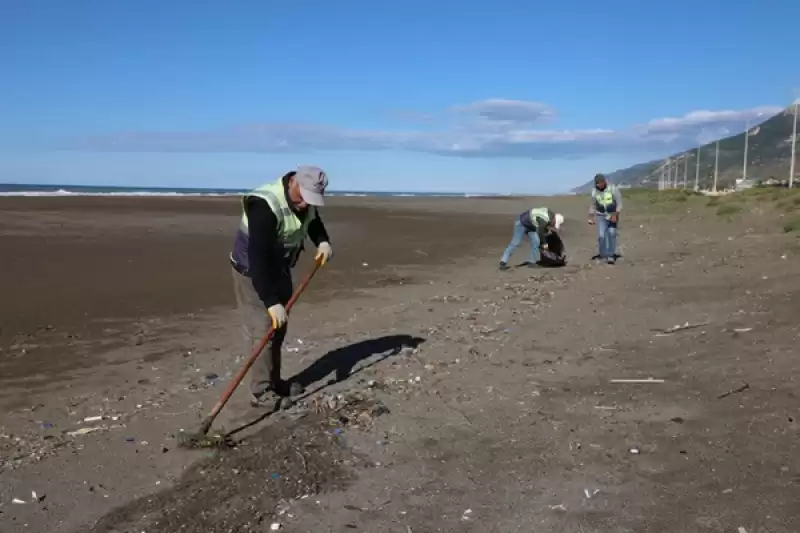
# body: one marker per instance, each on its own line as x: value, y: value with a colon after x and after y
x: 90, y: 191
x: 63, y: 192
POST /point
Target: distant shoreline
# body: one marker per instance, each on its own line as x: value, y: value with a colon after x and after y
x: 23, y: 190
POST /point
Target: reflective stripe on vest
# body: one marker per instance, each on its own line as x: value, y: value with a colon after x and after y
x: 539, y: 212
x: 605, y: 197
x: 291, y: 231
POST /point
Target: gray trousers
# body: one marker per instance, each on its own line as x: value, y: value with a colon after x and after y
x: 255, y: 322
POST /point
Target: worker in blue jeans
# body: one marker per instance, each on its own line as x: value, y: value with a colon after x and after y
x: 606, y: 204
x: 536, y: 223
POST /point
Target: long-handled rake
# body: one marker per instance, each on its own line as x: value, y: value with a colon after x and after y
x: 201, y: 439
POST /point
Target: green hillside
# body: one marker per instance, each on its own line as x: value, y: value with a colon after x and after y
x: 769, y: 154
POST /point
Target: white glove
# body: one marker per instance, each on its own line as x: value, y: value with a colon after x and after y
x: 324, y: 252
x: 278, y: 315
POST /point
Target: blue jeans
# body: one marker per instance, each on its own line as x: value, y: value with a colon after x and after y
x: 606, y: 236
x: 516, y: 240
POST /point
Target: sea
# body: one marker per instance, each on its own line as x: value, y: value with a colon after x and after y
x: 11, y: 189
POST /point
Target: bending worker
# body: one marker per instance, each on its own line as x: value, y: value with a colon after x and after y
x: 275, y: 221
x: 536, y: 223
x: 604, y: 210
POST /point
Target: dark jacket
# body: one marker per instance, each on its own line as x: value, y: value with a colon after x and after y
x: 265, y: 256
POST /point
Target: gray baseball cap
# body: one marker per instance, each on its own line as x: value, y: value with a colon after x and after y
x: 312, y: 181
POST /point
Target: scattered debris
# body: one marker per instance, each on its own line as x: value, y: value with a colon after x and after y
x: 467, y: 514
x: 93, y: 418
x: 559, y: 507
x: 589, y: 493
x: 742, y: 530
x: 648, y: 380
x: 635, y: 451
x: 734, y: 391
x: 606, y: 407
x: 35, y: 498
x: 681, y: 327
x: 275, y: 526
x: 742, y: 330
x: 353, y: 408
x: 85, y: 431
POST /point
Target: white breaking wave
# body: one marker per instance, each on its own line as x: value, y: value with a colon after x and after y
x: 62, y: 192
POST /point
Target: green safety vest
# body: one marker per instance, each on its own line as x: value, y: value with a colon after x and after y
x: 291, y: 230
x: 604, y: 198
x: 540, y: 212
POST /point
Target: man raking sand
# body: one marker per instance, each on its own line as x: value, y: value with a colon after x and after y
x: 277, y: 217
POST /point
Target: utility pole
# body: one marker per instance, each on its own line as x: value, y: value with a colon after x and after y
x: 746, y: 145
x: 675, y: 178
x: 716, y: 166
x: 685, y: 169
x: 669, y: 174
x: 697, y: 172
x: 794, y: 145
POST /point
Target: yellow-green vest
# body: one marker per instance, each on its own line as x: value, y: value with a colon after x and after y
x: 291, y: 230
x: 539, y: 212
x: 604, y: 199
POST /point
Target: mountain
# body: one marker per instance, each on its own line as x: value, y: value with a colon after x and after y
x: 768, y: 157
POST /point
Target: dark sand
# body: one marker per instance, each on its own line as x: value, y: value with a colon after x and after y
x: 75, y: 270
x: 501, y: 414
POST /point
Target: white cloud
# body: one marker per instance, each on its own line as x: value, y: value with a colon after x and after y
x: 508, y: 111
x: 704, y: 119
x: 493, y: 128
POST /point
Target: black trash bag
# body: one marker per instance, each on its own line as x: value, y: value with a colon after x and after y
x: 555, y: 255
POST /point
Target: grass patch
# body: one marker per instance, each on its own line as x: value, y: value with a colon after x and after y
x: 762, y: 194
x: 729, y: 209
x: 792, y: 225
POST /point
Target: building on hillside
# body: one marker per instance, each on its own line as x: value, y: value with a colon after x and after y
x: 745, y: 184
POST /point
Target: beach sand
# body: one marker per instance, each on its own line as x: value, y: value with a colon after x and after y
x: 479, y: 400
x: 88, y: 270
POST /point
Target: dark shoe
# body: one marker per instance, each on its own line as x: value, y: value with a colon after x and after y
x: 295, y: 389
x: 286, y: 389
x: 611, y: 260
x: 504, y: 266
x: 266, y: 400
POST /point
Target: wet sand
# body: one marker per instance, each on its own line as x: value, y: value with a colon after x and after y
x: 77, y: 270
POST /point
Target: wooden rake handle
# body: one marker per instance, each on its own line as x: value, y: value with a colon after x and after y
x: 258, y: 349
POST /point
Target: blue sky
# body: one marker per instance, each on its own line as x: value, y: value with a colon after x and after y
x: 502, y: 96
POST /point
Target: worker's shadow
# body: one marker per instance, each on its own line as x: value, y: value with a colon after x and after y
x: 342, y: 363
